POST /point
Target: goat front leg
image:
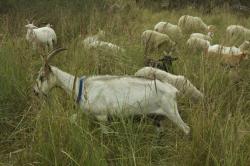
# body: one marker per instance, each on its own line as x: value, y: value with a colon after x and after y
x: 103, y: 120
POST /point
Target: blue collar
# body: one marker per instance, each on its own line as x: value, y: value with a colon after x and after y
x: 81, y: 85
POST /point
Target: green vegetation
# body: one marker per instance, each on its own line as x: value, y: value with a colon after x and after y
x: 39, y: 131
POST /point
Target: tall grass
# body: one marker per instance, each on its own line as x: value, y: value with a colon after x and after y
x: 40, y: 131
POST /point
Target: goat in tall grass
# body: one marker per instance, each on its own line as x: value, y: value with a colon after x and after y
x: 104, y: 95
x: 44, y: 36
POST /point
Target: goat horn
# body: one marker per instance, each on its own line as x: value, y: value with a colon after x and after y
x: 27, y: 21
x: 54, y: 52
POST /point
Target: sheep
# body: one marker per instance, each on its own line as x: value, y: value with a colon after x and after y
x: 189, y: 24
x: 94, y: 42
x: 197, y: 43
x: 237, y: 34
x: 245, y: 47
x: 233, y: 60
x: 207, y: 37
x: 164, y: 63
x: 44, y: 36
x: 173, y: 31
x: 153, y: 41
x: 111, y: 95
x: 180, y: 82
x: 105, y: 46
x: 98, y: 37
x: 231, y: 56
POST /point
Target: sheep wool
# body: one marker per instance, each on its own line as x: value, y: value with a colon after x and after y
x: 236, y: 34
x: 189, y: 24
x: 180, y: 82
x: 173, y: 31
x: 153, y: 41
x: 202, y: 36
x: 197, y: 43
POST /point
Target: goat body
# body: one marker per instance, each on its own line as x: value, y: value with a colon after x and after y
x: 44, y: 36
x: 103, y: 95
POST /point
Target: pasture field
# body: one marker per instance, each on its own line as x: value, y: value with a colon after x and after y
x: 37, y: 131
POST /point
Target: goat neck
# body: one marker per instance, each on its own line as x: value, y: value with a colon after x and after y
x: 66, y: 81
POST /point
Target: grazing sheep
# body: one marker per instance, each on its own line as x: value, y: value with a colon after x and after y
x: 231, y: 56
x: 215, y: 50
x: 173, y: 31
x: 233, y: 60
x: 98, y: 37
x: 189, y: 24
x: 44, y: 36
x: 94, y: 42
x: 245, y: 47
x: 105, y: 46
x: 199, y: 44
x: 207, y: 37
x: 237, y: 34
x: 155, y: 41
x: 180, y: 82
x: 106, y: 95
x: 164, y: 63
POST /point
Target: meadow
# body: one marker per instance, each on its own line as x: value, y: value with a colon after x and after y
x: 38, y: 131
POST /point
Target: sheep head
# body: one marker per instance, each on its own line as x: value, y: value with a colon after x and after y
x: 211, y: 28
x: 46, y: 80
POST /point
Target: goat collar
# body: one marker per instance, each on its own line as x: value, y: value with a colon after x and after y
x: 81, y: 87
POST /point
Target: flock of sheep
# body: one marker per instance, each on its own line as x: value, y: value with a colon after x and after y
x: 167, y: 36
x: 104, y: 95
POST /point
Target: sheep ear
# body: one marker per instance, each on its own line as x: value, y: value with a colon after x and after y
x: 53, y: 53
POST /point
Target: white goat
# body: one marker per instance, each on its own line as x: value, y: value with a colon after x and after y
x: 237, y: 34
x: 103, y: 95
x: 155, y: 41
x: 189, y: 24
x: 44, y: 36
x: 197, y: 43
x: 173, y: 31
x: 178, y: 81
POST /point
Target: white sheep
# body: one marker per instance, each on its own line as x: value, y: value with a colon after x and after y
x: 155, y: 41
x: 105, y: 46
x: 231, y: 56
x: 97, y: 37
x: 106, y: 95
x: 95, y: 42
x: 180, y: 82
x: 189, y: 24
x: 207, y: 37
x: 173, y: 31
x: 44, y: 36
x: 194, y: 44
x: 245, y: 47
x: 237, y: 34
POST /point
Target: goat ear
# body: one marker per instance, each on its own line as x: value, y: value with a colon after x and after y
x: 53, y: 53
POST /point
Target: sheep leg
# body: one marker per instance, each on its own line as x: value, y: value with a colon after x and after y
x: 171, y: 111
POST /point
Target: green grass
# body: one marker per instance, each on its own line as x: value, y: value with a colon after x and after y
x: 39, y: 132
